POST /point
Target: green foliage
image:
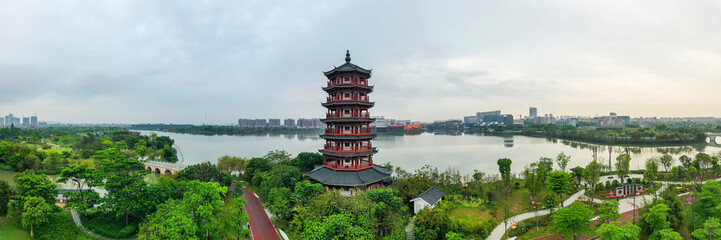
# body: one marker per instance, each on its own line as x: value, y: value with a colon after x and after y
x: 204, y: 202
x: 651, y: 170
x: 431, y: 224
x: 656, y: 220
x: 572, y: 221
x: 277, y: 156
x: 616, y: 231
x: 306, y: 161
x: 623, y: 165
x: 592, y: 173
x: 550, y: 202
x: 35, y: 213
x: 255, y: 166
x: 666, y: 161
x: 5, y: 192
x: 60, y: 226
x: 708, y: 199
x: 667, y: 234
x: 204, y: 172
x: 608, y: 211
x: 279, y: 202
x: 106, y: 224
x: 30, y: 184
x: 453, y: 236
x: 711, y: 230
x: 230, y: 164
x: 171, y: 221
x: 336, y: 227
x: 559, y: 182
x: 562, y: 160
x: 305, y: 191
x: 504, y: 167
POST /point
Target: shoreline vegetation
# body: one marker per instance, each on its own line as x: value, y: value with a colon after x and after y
x: 629, y: 134
x: 223, y: 130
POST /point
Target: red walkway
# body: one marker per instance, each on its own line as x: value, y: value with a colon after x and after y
x: 260, y: 225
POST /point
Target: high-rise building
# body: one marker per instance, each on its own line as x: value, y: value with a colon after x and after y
x: 348, y: 152
x: 274, y: 122
x: 34, y: 121
x: 532, y: 112
x: 26, y: 121
x: 2, y: 121
x: 480, y: 115
x: 289, y: 122
x: 11, y: 120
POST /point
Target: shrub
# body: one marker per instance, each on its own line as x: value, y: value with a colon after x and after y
x: 108, y: 225
x: 59, y: 226
x: 614, y: 184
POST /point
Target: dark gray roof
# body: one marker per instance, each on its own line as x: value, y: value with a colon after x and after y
x: 431, y: 196
x: 331, y: 177
x: 347, y: 137
x: 348, y: 67
x: 348, y: 154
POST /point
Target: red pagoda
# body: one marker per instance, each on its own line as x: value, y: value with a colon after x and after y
x: 348, y: 152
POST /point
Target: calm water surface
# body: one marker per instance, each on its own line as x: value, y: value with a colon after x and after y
x: 464, y: 152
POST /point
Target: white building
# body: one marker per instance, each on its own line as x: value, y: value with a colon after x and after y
x: 429, y: 198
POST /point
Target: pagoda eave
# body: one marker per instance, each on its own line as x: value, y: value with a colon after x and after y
x: 348, y: 103
x: 348, y: 87
x: 348, y: 137
x: 348, y: 154
x: 348, y: 120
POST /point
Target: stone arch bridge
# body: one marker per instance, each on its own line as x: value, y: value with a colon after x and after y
x: 163, y: 167
x: 713, y: 138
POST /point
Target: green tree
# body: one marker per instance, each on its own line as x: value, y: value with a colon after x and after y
x: 547, y: 164
x: 204, y: 172
x: 668, y: 234
x: 666, y: 161
x: 277, y: 156
x: 550, y: 202
x: 616, y: 231
x: 656, y: 218
x: 81, y: 176
x: 35, y: 213
x: 622, y: 165
x: 5, y: 193
x: 562, y: 160
x: 255, y: 166
x: 504, y: 167
x: 454, y: 236
x: 279, y: 202
x: 711, y: 230
x: 30, y: 184
x: 478, y: 179
x: 336, y: 227
x: 306, y: 161
x: 204, y: 201
x: 559, y: 182
x: 685, y: 161
x: 572, y: 221
x: 125, y: 182
x: 231, y: 164
x: 305, y: 191
x: 431, y: 224
x: 531, y: 181
x: 593, y: 175
x: 387, y: 210
x: 651, y: 170
x: 608, y: 211
x: 170, y: 221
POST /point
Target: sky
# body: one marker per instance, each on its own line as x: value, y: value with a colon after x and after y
x: 217, y: 61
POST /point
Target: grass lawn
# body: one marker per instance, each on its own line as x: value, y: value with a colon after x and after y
x: 473, y: 214
x: 10, y: 229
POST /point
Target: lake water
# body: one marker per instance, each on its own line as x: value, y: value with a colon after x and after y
x: 464, y: 152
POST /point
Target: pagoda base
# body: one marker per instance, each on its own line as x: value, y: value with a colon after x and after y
x: 371, y: 177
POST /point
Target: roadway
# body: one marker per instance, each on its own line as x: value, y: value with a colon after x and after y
x: 260, y: 225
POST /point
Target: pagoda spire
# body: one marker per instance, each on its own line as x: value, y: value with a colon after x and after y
x: 347, y: 56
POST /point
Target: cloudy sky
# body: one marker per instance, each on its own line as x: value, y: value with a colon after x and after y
x: 176, y: 61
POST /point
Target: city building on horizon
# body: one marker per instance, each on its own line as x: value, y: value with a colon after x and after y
x: 532, y: 112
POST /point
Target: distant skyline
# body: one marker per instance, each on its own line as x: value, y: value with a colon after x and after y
x: 173, y: 62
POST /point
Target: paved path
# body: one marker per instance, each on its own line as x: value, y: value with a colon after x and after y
x: 497, y: 232
x: 260, y: 224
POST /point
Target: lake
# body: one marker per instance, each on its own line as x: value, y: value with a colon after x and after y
x: 465, y: 152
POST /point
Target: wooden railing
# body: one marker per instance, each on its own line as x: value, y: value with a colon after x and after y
x: 351, y: 82
x: 348, y: 166
x: 349, y: 99
x: 348, y: 149
x: 347, y: 132
x: 347, y: 115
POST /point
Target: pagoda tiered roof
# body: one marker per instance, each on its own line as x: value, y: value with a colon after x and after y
x: 348, y: 67
x: 327, y: 176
